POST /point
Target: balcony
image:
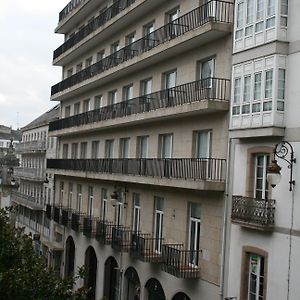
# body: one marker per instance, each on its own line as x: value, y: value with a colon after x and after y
x: 49, y: 211
x: 146, y: 247
x: 92, y: 26
x: 26, y: 200
x: 89, y: 226
x: 30, y: 173
x: 56, y: 213
x: 180, y: 262
x: 253, y: 213
x: 214, y: 14
x: 66, y: 216
x: 207, y: 95
x: 71, y: 6
x: 77, y: 221
x: 31, y: 147
x: 121, y: 238
x: 197, y: 173
x: 104, y: 231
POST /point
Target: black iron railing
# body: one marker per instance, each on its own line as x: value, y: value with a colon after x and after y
x: 104, y: 231
x: 56, y: 213
x: 212, y: 11
x: 49, y: 211
x: 77, y: 221
x: 93, y: 25
x: 214, y: 89
x: 212, y: 169
x: 180, y: 262
x: 89, y: 226
x: 66, y: 216
x: 70, y: 7
x: 121, y: 238
x: 257, y: 212
x: 146, y: 248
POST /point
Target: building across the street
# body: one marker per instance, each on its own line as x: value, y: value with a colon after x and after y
x: 35, y: 187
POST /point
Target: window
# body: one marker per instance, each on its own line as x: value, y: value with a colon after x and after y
x: 112, y: 97
x: 104, y: 204
x: 77, y: 108
x: 67, y: 111
x: 256, y: 277
x: 128, y: 92
x: 194, y: 233
x: 78, y: 67
x: 70, y: 72
x: 284, y: 13
x: 239, y: 20
x: 86, y: 105
x: 95, y: 150
x: 83, y: 150
x: 79, y: 198
x: 237, y: 91
x: 136, y: 212
x: 74, y: 150
x: 65, y: 151
x: 271, y: 14
x: 173, y: 25
x: 261, y: 186
x: 247, y: 88
x: 207, y: 68
x: 250, y: 8
x: 257, y: 86
x: 124, y: 147
x: 70, y: 196
x: 158, y: 222
x: 100, y: 55
x: 109, y: 148
x: 142, y: 146
x: 203, y: 144
x: 98, y: 101
x: 170, y: 79
x: 146, y: 86
x: 115, y: 47
x: 260, y: 9
x: 130, y: 38
x: 165, y: 143
x: 149, y: 38
x: 281, y: 89
x: 88, y: 61
x: 269, y: 84
x: 90, y: 200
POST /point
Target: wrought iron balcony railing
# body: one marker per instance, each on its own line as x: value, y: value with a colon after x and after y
x: 121, y: 238
x: 66, y: 216
x: 146, y: 248
x: 89, y: 226
x: 56, y: 213
x: 180, y: 262
x: 104, y: 231
x: 253, y: 212
x: 214, y: 89
x: 93, y: 25
x: 211, y: 169
x: 77, y: 221
x: 49, y: 211
x: 31, y: 146
x: 212, y: 11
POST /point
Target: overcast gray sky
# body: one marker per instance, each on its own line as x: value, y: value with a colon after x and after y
x: 27, y: 42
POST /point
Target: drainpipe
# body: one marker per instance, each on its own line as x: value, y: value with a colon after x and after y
x: 226, y: 217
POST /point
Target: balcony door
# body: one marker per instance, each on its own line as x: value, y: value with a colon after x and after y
x: 136, y: 213
x: 194, y: 233
x: 207, y: 72
x: 158, y: 223
x: 261, y: 186
x: 255, y: 278
x: 90, y: 201
x: 166, y: 144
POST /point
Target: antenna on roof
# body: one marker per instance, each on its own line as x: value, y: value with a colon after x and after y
x: 17, y: 120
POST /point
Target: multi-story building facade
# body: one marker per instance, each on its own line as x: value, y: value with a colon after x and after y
x: 264, y: 236
x: 142, y: 145
x: 35, y: 186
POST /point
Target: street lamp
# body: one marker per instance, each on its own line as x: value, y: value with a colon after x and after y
x: 281, y: 150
